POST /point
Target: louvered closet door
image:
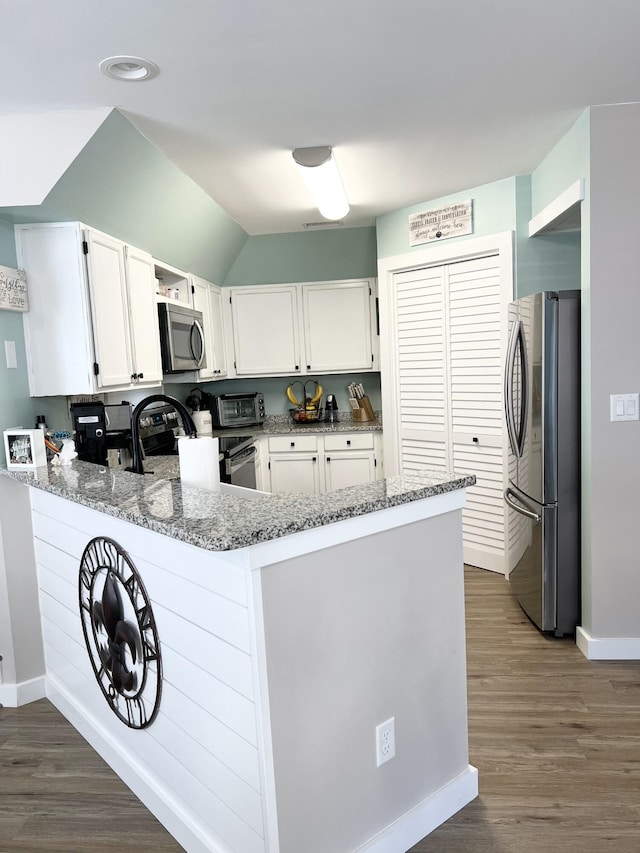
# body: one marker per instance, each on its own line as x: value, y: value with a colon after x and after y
x: 421, y: 369
x: 475, y: 320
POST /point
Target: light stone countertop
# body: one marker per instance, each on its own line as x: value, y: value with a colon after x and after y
x: 218, y: 521
x: 222, y: 521
x: 283, y: 425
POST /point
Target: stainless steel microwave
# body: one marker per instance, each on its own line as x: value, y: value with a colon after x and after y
x: 181, y: 338
x: 235, y: 410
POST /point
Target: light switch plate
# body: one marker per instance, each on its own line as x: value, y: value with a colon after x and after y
x: 10, y: 354
x: 624, y: 407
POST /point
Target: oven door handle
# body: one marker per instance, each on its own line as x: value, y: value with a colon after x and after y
x: 236, y: 462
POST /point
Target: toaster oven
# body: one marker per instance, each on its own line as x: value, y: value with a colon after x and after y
x: 238, y: 410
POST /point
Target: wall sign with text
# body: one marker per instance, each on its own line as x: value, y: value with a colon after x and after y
x: 454, y: 220
x: 13, y: 290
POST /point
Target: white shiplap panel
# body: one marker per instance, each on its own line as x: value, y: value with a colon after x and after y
x: 204, y: 738
x: 201, y: 567
x: 187, y: 787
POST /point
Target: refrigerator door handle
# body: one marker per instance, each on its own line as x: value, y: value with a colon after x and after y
x: 516, y: 432
x: 508, y: 390
x: 523, y: 507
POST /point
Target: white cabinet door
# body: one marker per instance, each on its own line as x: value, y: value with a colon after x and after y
x: 143, y: 316
x: 265, y: 330
x: 337, y: 326
x: 57, y: 327
x: 349, y: 468
x: 109, y: 313
x: 295, y: 472
x: 202, y: 302
x: 448, y: 397
x: 219, y: 354
x: 475, y: 328
x: 422, y: 407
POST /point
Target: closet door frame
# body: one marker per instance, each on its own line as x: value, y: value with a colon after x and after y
x: 436, y: 254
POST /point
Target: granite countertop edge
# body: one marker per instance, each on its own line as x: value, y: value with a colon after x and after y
x: 224, y: 522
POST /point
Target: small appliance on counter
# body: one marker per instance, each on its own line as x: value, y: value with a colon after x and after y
x: 118, y: 426
x: 199, y: 404
x: 90, y: 428
x: 238, y: 410
x: 331, y: 409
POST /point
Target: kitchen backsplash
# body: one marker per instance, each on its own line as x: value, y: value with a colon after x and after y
x: 274, y: 389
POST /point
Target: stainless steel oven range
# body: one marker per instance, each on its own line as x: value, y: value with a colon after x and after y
x: 238, y: 463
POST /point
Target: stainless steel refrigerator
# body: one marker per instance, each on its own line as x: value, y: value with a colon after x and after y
x: 542, y: 410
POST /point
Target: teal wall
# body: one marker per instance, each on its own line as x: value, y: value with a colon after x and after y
x: 15, y: 404
x: 274, y: 389
x: 548, y: 261
x: 123, y: 185
x: 308, y: 256
x: 564, y: 164
x: 494, y: 210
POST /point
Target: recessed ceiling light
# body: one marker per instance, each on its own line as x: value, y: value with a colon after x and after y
x: 130, y: 68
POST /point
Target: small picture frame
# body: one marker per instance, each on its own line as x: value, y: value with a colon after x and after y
x: 24, y: 448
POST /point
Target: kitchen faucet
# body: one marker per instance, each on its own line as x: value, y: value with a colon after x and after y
x: 136, y: 448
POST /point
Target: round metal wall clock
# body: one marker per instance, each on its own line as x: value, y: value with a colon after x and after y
x: 120, y: 632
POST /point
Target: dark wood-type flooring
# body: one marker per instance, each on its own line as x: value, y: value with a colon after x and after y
x: 555, y: 738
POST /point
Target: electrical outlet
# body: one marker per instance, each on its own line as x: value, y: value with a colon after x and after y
x: 385, y: 741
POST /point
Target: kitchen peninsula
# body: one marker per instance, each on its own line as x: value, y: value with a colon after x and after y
x: 266, y: 638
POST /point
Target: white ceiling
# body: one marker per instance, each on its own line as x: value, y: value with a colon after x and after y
x: 418, y: 98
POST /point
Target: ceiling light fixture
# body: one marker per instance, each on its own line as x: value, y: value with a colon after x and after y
x: 130, y: 68
x: 321, y: 174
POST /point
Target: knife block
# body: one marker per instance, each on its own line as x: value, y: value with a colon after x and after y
x: 365, y: 413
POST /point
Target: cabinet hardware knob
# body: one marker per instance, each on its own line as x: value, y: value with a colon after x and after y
x: 308, y: 367
x: 141, y: 376
x: 293, y: 444
x: 475, y: 440
x: 297, y: 367
x: 348, y: 442
x: 328, y: 459
x: 133, y: 377
x: 314, y: 459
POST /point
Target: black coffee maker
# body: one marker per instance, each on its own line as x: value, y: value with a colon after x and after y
x: 331, y: 409
x: 90, y: 432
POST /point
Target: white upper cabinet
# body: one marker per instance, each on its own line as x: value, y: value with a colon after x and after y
x: 207, y: 298
x: 320, y: 327
x: 109, y: 310
x: 201, y: 301
x: 265, y: 330
x: 143, y: 315
x: 337, y: 326
x: 218, y: 352
x: 92, y: 324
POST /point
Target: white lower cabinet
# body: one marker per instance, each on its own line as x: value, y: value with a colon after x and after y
x: 314, y: 464
x: 293, y: 464
x: 349, y: 460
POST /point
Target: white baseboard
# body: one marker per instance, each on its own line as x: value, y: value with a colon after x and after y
x: 181, y: 825
x: 426, y: 816
x: 14, y: 695
x: 607, y: 648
